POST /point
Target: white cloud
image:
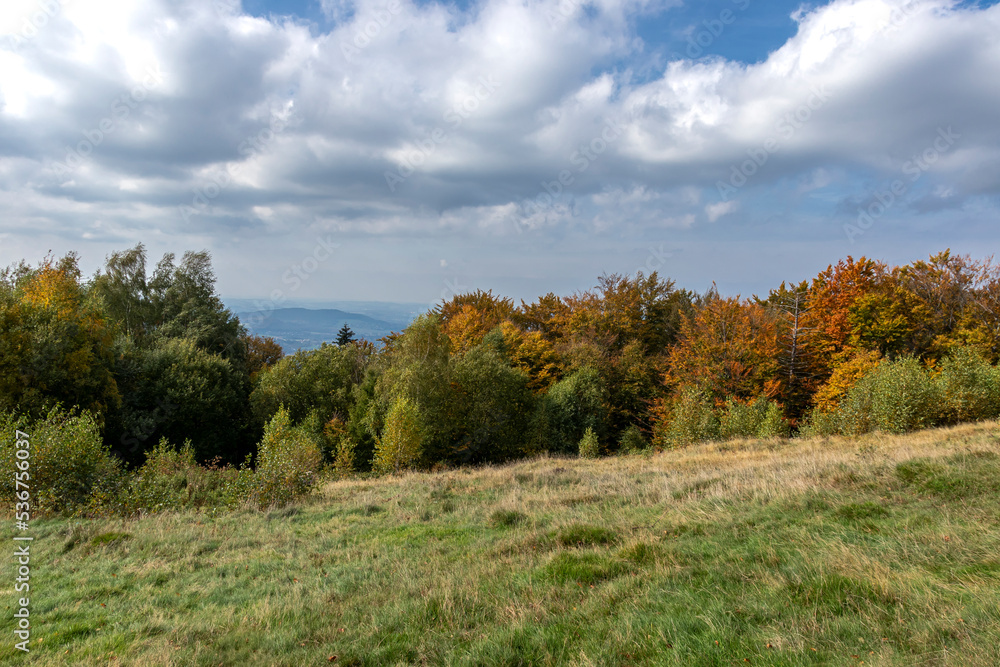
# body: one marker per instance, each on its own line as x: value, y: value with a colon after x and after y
x: 394, y: 80
x: 719, y: 209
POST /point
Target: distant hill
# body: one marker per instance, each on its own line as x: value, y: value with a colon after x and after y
x: 304, y: 328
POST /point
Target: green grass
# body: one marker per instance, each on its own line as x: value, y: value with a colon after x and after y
x: 884, y: 549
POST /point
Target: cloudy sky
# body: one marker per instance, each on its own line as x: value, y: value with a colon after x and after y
x: 402, y: 151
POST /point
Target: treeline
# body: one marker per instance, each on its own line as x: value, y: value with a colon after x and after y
x: 633, y: 363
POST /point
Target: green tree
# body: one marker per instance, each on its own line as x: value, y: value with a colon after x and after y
x: 573, y: 405
x: 185, y: 305
x: 320, y: 381
x: 179, y: 391
x: 123, y: 292
x: 398, y: 448
x: 55, y: 343
x: 589, y: 446
x: 345, y: 335
x: 495, y: 404
x: 419, y: 368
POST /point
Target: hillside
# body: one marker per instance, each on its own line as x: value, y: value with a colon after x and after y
x: 302, y: 328
x: 881, y: 550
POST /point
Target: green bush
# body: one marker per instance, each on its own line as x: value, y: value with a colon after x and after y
x: 288, y: 464
x: 896, y: 397
x: 573, y: 405
x: 820, y: 423
x: 692, y: 420
x: 970, y: 387
x: 399, y: 447
x: 344, y: 461
x: 632, y: 441
x: 171, y: 479
x: 759, y: 419
x: 67, y: 462
x: 589, y: 447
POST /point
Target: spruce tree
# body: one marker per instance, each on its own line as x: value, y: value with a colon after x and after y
x: 345, y: 335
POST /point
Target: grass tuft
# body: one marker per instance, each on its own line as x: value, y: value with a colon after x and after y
x: 507, y: 518
x: 580, y: 535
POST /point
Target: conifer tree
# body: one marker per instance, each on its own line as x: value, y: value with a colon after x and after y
x: 345, y: 335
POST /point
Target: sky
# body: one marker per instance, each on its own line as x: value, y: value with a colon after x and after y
x: 392, y: 150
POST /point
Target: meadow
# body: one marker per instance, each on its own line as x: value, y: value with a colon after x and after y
x: 875, y: 550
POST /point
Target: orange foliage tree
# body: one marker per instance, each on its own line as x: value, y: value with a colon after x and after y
x: 729, y: 349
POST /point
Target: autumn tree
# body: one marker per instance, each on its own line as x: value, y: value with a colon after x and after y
x: 798, y: 374
x: 729, y: 349
x: 834, y: 292
x: 944, y: 291
x: 56, y: 343
x: 534, y: 354
x: 467, y: 318
x: 262, y: 353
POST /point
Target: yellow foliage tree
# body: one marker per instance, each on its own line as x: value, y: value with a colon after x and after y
x: 843, y: 378
x: 399, y: 447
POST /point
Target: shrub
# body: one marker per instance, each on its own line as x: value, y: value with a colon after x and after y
x: 843, y: 378
x: 820, y: 424
x: 573, y: 405
x: 589, y: 447
x: 288, y: 462
x: 895, y: 397
x: 692, y: 420
x: 970, y: 387
x: 759, y: 419
x: 400, y: 445
x: 632, y: 441
x: 171, y: 479
x: 67, y: 465
x: 343, y: 461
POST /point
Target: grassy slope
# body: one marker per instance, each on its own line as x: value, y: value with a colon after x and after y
x: 884, y: 550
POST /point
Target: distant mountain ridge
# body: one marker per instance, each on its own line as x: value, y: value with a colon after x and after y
x: 305, y: 328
